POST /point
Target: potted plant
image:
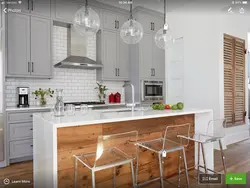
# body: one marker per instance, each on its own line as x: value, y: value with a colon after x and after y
x: 41, y: 94
x: 102, y: 89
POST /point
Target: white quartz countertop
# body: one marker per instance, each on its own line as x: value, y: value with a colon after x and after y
x: 97, y: 117
x: 49, y: 107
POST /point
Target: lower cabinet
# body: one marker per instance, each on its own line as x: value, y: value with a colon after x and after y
x: 20, y: 134
x: 21, y: 148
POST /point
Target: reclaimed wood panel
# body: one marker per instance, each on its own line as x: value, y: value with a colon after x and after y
x: 83, y: 139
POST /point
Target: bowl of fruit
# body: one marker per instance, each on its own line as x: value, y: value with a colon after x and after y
x: 161, y: 106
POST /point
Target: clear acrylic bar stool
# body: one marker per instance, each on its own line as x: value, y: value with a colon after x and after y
x: 170, y: 142
x: 214, y: 133
x: 112, y: 151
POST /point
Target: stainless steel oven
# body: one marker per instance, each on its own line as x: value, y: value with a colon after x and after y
x: 152, y: 90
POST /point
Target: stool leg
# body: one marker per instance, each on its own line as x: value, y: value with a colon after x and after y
x: 204, y: 158
x: 76, y: 173
x: 179, y: 168
x: 114, y: 180
x: 198, y: 167
x: 222, y: 157
x: 133, y: 174
x: 93, y: 178
x: 137, y: 165
x: 161, y: 170
x: 186, y: 169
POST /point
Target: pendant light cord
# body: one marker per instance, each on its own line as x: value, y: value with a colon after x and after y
x: 165, y: 11
x: 131, y: 16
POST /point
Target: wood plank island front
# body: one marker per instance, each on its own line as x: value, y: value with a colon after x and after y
x: 57, y: 139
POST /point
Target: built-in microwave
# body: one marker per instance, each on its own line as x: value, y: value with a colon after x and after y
x: 152, y: 90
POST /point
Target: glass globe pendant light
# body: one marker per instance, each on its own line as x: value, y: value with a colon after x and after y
x: 164, y: 38
x: 86, y: 21
x: 131, y: 31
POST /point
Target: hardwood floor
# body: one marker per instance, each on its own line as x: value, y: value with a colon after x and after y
x: 237, y: 160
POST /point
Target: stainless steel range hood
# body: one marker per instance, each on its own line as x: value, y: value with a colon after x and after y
x: 78, y: 52
x: 78, y: 62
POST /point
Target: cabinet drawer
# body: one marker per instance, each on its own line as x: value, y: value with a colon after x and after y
x: 21, y: 148
x: 19, y: 131
x: 23, y: 116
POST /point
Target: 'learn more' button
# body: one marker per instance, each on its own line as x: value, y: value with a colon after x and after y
x: 236, y: 178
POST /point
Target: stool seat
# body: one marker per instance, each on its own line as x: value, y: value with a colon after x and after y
x: 113, y: 157
x: 203, y: 138
x: 157, y: 145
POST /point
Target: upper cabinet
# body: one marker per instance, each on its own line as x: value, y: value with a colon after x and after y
x: 65, y: 10
x: 150, y: 24
x: 34, y: 7
x: 29, y: 46
x: 113, y: 21
x: 41, y: 7
x: 113, y: 53
x: 151, y: 58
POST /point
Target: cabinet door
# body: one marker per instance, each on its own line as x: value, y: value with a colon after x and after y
x: 122, y: 59
x: 40, y: 47
x: 158, y: 23
x: 146, y: 56
x: 121, y: 20
x: 158, y: 62
x: 41, y: 7
x: 145, y: 22
x: 109, y: 19
x: 18, y: 44
x: 109, y: 55
x: 65, y: 10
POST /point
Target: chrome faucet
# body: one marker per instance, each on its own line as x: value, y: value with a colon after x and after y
x: 133, y: 96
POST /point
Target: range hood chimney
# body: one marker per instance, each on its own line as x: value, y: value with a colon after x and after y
x: 77, y: 58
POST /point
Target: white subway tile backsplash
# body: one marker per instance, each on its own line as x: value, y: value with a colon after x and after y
x: 77, y: 84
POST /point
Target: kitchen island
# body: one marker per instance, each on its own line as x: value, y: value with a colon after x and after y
x: 57, y: 139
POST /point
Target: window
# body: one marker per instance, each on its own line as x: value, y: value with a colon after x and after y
x: 234, y: 80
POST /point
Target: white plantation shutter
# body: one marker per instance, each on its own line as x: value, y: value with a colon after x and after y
x: 234, y: 80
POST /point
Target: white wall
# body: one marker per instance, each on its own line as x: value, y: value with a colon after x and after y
x: 203, y: 59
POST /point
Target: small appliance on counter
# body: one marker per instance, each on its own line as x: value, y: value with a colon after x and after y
x: 23, y: 97
x: 117, y: 97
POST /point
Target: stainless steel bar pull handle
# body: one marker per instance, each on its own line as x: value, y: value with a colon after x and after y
x: 115, y: 71
x: 115, y: 24
x: 28, y: 66
x: 32, y: 5
x: 118, y: 72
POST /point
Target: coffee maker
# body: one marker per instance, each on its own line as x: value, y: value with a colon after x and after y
x: 23, y: 96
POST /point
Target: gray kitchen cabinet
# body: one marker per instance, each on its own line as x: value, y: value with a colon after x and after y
x: 65, y: 10
x: 19, y: 126
x: 41, y: 47
x: 28, y: 43
x: 114, y: 55
x: 109, y: 55
x: 113, y: 21
x: 122, y: 59
x: 18, y: 44
x: 151, y: 59
x: 109, y: 20
x: 41, y: 7
x: 150, y: 23
x: 145, y: 53
x: 158, y: 62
